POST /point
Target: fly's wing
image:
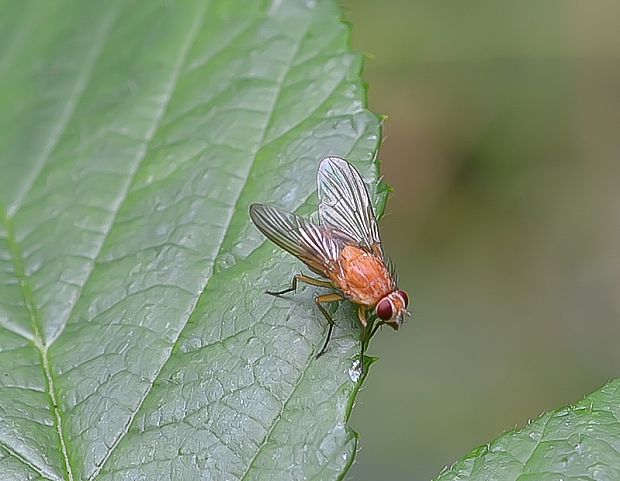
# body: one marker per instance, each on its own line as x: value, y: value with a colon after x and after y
x: 312, y: 244
x: 345, y: 203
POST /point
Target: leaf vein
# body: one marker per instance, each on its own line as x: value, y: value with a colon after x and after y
x: 16, y: 455
x: 538, y: 443
x: 138, y: 161
x: 68, y: 112
x: 38, y: 341
x: 279, y: 417
x: 267, y: 124
x: 193, y: 33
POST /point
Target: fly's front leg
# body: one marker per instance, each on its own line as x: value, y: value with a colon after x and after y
x: 366, y: 328
x: 379, y: 323
x: 369, y: 328
x: 325, y: 299
x: 301, y: 278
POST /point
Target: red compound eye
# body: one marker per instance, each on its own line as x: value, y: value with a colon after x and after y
x: 385, y: 310
x: 404, y: 296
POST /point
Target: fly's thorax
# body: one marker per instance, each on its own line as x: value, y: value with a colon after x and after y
x: 392, y: 308
x: 362, y: 276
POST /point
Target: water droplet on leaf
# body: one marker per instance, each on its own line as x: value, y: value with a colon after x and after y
x: 355, y: 371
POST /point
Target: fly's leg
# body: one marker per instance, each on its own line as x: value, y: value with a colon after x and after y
x: 365, y: 338
x: 375, y: 329
x: 361, y: 314
x: 326, y: 298
x: 368, y: 331
x: 301, y: 278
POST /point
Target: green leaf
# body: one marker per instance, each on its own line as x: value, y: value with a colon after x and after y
x: 580, y: 442
x: 136, y: 341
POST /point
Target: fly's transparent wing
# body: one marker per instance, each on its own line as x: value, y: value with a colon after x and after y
x: 345, y: 203
x: 314, y: 245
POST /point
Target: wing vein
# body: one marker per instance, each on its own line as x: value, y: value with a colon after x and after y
x: 344, y: 202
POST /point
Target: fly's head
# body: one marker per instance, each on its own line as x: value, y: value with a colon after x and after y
x: 392, y: 308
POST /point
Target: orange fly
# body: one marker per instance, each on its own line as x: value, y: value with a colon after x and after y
x: 343, y: 248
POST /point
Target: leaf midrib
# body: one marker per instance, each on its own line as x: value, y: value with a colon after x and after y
x: 7, y: 214
x: 37, y: 339
x: 225, y: 234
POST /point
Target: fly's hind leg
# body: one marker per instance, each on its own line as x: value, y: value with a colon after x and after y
x: 325, y: 299
x: 301, y: 278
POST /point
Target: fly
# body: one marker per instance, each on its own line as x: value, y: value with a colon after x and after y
x: 343, y: 249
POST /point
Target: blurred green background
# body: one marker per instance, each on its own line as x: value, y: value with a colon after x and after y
x: 502, y: 144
